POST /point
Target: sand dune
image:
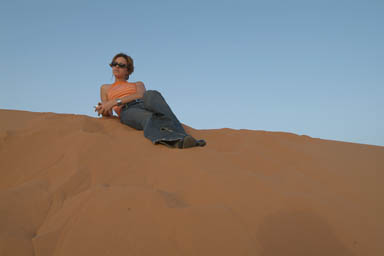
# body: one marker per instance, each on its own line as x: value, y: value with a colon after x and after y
x: 78, y: 185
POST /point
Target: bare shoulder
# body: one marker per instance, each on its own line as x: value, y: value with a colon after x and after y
x: 140, y: 86
x: 105, y: 86
x: 139, y: 83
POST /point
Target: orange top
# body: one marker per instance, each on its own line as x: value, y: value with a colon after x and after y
x: 120, y: 89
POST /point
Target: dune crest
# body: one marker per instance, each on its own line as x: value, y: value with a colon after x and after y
x: 78, y: 185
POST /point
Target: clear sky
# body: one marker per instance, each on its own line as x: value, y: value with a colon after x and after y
x: 307, y: 67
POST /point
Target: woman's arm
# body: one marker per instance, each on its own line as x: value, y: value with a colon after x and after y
x: 103, y: 93
x: 104, y: 97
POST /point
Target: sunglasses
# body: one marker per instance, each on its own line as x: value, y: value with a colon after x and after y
x: 113, y: 64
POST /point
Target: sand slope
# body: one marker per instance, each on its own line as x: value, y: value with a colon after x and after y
x: 77, y: 185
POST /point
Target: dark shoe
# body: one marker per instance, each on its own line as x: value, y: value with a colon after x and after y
x: 187, y: 142
x: 201, y: 143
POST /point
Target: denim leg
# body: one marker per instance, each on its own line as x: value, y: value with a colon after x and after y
x: 155, y: 102
x: 135, y: 116
x: 157, y: 127
x: 160, y: 128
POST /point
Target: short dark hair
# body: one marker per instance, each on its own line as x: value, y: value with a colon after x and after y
x: 129, y: 60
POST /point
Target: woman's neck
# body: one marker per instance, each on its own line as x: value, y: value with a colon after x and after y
x: 120, y: 80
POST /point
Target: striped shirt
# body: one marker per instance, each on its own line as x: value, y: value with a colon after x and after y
x: 118, y: 90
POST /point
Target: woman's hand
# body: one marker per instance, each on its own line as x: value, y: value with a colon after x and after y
x: 105, y: 108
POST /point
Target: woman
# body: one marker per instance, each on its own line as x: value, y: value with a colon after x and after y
x: 142, y: 109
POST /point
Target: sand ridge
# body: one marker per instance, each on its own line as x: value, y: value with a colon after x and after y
x: 78, y: 185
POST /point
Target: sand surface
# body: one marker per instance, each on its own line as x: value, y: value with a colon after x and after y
x: 78, y: 185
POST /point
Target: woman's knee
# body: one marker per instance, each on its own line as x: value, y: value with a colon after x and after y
x: 151, y: 96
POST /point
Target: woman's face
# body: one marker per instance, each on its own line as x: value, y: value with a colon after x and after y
x: 119, y: 72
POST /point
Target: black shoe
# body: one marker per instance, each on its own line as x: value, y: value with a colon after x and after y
x: 188, y: 142
x: 201, y: 143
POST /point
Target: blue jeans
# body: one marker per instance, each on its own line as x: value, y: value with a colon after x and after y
x: 153, y: 115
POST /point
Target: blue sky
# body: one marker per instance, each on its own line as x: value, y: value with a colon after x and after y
x: 306, y: 67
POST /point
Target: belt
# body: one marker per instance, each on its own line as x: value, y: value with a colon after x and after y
x: 132, y: 102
